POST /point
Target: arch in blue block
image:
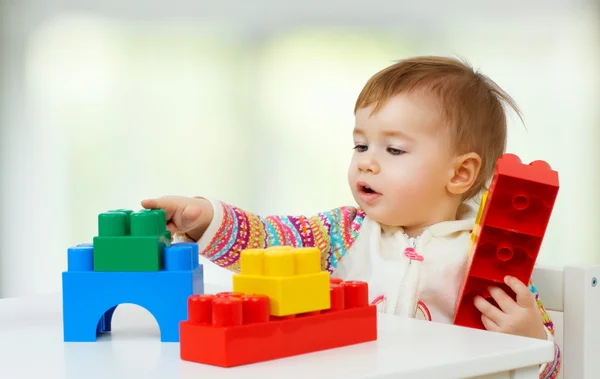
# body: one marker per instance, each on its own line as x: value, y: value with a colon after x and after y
x: 104, y: 324
x: 90, y: 298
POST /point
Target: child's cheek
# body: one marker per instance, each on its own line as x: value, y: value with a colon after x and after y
x: 406, y: 188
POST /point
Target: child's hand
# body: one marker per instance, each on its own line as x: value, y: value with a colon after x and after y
x: 522, y: 317
x: 184, y: 214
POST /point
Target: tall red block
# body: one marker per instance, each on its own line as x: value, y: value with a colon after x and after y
x: 235, y: 330
x: 509, y: 232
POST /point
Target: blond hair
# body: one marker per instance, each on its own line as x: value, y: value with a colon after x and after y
x: 471, y: 105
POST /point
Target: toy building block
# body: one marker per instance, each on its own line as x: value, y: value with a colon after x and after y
x: 90, y: 297
x: 290, y: 277
x: 508, y: 232
x: 230, y: 330
x: 131, y: 241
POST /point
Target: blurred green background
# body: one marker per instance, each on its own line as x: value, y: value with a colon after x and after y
x: 104, y: 103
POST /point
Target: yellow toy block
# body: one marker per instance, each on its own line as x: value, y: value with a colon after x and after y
x: 290, y: 277
x: 476, y: 227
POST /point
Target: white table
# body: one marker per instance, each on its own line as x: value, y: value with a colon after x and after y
x: 31, y: 346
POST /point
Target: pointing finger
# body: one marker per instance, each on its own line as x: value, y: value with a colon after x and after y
x: 170, y: 207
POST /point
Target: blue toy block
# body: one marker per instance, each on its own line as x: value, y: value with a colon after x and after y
x: 90, y: 298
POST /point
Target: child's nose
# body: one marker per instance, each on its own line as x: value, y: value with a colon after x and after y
x: 368, y: 164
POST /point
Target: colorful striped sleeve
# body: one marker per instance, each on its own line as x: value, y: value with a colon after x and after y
x: 233, y: 230
x: 549, y: 370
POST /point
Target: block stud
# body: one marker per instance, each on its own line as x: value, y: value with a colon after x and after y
x: 255, y: 309
x: 279, y: 263
x: 504, y: 251
x: 162, y: 220
x: 307, y: 261
x: 80, y: 258
x: 510, y: 159
x: 280, y: 248
x: 191, y: 245
x: 229, y: 294
x: 227, y: 311
x: 356, y: 294
x: 336, y: 296
x: 127, y: 213
x: 251, y: 262
x: 541, y: 165
x: 112, y: 224
x: 179, y: 257
x: 200, y: 309
x: 144, y: 224
x: 520, y: 201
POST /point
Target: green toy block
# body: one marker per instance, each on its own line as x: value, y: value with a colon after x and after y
x: 131, y: 241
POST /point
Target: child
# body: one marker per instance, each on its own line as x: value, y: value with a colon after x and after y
x: 428, y: 133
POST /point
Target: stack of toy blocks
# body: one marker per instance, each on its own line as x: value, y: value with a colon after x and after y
x: 281, y: 305
x: 509, y: 229
x: 130, y: 261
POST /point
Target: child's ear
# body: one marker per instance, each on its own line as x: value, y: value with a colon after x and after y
x: 465, y: 169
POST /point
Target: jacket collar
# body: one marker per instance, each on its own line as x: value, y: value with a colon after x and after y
x: 465, y: 221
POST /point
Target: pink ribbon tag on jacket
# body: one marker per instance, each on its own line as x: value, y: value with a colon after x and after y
x: 411, y: 254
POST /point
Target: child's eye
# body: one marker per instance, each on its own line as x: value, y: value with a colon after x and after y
x: 360, y: 148
x: 394, y: 151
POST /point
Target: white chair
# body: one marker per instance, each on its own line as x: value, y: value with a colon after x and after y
x: 571, y: 296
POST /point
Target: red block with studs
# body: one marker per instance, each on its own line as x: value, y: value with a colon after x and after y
x: 508, y: 233
x: 229, y: 329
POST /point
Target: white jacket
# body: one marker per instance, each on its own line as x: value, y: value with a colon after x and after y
x: 426, y: 289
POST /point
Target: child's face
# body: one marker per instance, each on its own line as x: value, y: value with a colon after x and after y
x: 402, y: 163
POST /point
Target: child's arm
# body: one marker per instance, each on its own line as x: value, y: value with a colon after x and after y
x: 549, y: 370
x: 233, y: 230
x: 222, y: 230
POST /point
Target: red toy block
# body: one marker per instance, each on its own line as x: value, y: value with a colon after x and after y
x: 509, y: 233
x: 521, y: 197
x: 231, y: 330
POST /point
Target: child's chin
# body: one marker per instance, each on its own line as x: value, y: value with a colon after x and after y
x: 376, y: 214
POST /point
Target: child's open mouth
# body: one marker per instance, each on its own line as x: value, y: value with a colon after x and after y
x: 367, y: 193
